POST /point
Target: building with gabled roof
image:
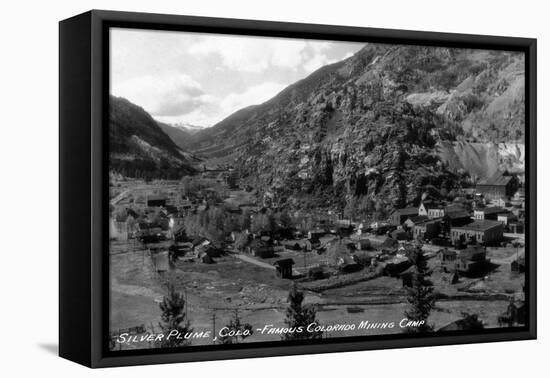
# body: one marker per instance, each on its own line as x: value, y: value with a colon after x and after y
x: 497, y: 186
x: 401, y: 215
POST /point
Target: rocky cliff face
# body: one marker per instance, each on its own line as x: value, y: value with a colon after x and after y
x: 483, y: 160
x: 383, y: 125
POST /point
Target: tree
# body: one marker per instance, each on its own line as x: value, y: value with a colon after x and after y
x: 236, y: 331
x: 174, y: 318
x: 420, y: 295
x: 300, y: 315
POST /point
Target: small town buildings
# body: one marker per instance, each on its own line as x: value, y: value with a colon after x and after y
x: 447, y: 257
x: 435, y: 207
x: 407, y: 277
x: 149, y: 228
x: 298, y: 245
x: 401, y: 215
x: 480, y: 231
x: 516, y: 227
x: 344, y: 230
x: 314, y: 235
x: 205, y: 258
x: 260, y: 248
x: 518, y: 265
x: 497, y: 186
x: 457, y: 216
x: 515, y: 313
x: 181, y: 249
x: 119, y: 228
x: 412, y: 221
x: 400, y: 235
x: 154, y: 200
x: 208, y: 249
x: 397, y: 265
x: 437, y: 211
x: 426, y: 230
x: 388, y: 244
x: 472, y: 260
x: 284, y: 268
x: 507, y: 218
x: 161, y: 261
x: 316, y: 273
x: 491, y: 213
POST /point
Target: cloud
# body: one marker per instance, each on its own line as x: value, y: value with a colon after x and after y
x: 252, y: 96
x: 251, y: 54
x: 202, y: 78
x: 169, y: 95
x: 213, y: 109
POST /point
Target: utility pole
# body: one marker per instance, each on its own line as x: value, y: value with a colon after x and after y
x: 214, y: 327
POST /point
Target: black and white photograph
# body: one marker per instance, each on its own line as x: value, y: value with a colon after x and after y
x: 266, y: 189
x: 244, y: 189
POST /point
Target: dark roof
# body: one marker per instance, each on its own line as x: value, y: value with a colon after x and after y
x: 146, y: 226
x: 450, y: 252
x: 427, y: 221
x: 498, y: 179
x: 493, y: 210
x: 407, y: 211
x: 480, y: 225
x: 457, y: 214
x: 473, y: 253
x: 156, y: 197
x: 284, y: 262
x: 419, y: 219
x: 198, y: 240
x: 258, y: 243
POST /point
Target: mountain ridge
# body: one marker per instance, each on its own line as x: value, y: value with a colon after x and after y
x: 329, y: 129
x: 139, y: 148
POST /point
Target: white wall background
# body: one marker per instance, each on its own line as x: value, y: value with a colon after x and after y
x: 29, y: 189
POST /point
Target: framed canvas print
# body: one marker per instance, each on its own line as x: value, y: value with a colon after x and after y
x: 233, y: 188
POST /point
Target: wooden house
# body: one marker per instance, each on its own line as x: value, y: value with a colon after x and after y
x: 284, y: 268
x: 401, y: 215
x: 426, y: 230
x: 447, y: 258
x: 260, y: 248
x: 497, y: 186
x: 472, y: 260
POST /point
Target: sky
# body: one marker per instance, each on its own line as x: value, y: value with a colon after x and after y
x: 199, y: 79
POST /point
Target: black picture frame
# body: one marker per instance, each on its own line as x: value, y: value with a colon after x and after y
x: 83, y: 196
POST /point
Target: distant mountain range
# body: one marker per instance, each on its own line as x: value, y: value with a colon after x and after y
x: 381, y: 126
x: 139, y: 148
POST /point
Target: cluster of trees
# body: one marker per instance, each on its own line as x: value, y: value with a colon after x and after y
x: 214, y: 223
